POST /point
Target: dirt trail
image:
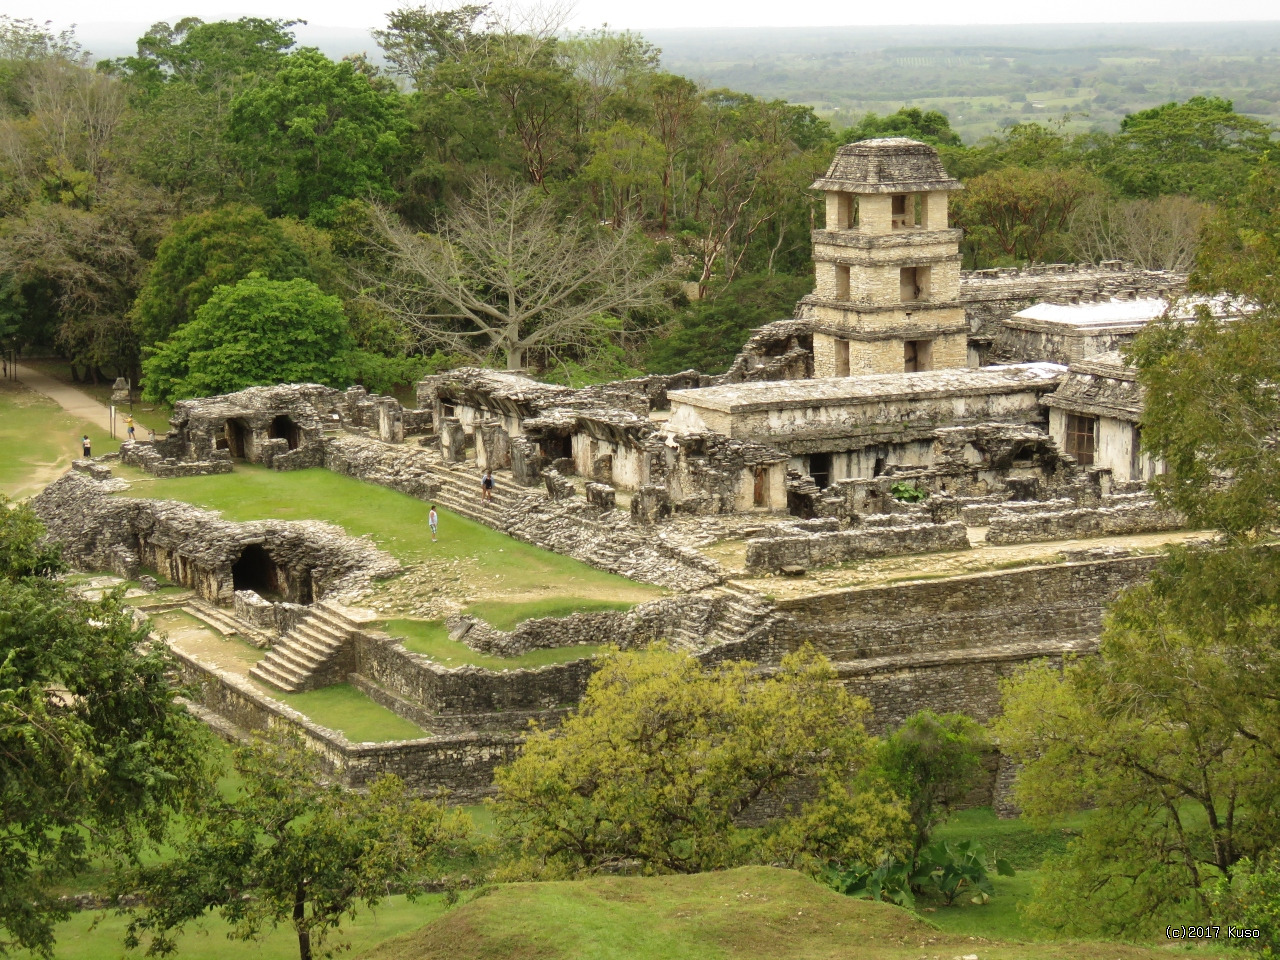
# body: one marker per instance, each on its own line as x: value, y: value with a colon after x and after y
x: 79, y: 405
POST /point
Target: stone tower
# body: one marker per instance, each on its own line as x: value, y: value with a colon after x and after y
x: 886, y: 297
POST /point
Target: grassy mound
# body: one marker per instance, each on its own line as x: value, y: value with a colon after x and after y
x: 750, y: 912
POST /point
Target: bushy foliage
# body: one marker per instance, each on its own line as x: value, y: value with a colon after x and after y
x: 664, y: 762
x: 259, y: 331
x: 95, y: 754
x: 207, y: 250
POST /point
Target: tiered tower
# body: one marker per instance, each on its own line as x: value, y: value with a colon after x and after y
x: 886, y: 298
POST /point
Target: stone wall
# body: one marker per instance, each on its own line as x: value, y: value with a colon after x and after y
x: 459, y: 765
x: 401, y: 468
x: 1009, y: 524
x: 772, y: 554
x: 146, y: 455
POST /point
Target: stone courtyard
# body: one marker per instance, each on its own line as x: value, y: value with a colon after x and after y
x: 864, y: 479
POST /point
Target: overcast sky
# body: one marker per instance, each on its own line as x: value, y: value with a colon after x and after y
x: 676, y: 13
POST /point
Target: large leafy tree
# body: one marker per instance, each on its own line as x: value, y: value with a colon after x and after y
x: 94, y: 752
x: 1171, y: 732
x: 317, y: 133
x: 929, y: 126
x: 207, y: 250
x: 664, y: 759
x: 259, y: 331
x: 1201, y: 148
x: 294, y: 850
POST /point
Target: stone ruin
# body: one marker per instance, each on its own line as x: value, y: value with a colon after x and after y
x: 869, y: 426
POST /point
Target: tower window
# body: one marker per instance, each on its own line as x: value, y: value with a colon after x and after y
x: 842, y: 282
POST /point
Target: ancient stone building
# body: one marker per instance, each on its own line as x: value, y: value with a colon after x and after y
x: 887, y: 265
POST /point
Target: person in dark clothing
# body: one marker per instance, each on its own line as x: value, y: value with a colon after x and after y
x: 486, y: 487
x: 85, y: 446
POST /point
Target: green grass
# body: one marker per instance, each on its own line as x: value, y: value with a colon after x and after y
x: 342, y: 707
x: 507, y: 616
x: 38, y: 440
x: 1025, y: 848
x: 398, y: 524
x: 155, y: 416
x: 431, y: 639
x: 751, y: 912
x: 99, y: 935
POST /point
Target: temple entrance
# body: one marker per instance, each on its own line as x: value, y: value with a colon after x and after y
x: 283, y: 428
x: 235, y: 433
x: 760, y: 491
x: 557, y: 448
x: 820, y: 469
x: 256, y: 571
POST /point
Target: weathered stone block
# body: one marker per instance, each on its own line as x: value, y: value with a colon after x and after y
x: 602, y: 495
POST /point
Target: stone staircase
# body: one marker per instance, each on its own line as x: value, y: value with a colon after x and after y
x: 744, y: 613
x: 225, y: 622
x: 305, y: 657
x: 460, y: 493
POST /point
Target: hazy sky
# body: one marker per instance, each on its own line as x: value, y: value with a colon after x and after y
x: 676, y: 13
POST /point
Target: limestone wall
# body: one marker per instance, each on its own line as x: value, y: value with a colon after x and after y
x: 1124, y: 518
x: 458, y: 764
x: 771, y: 554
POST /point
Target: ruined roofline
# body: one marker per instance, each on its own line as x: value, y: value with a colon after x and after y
x: 887, y: 165
x: 841, y: 391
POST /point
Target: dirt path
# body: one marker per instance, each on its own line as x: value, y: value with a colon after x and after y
x: 79, y: 405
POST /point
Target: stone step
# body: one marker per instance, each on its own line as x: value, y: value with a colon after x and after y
x: 270, y: 675
x: 295, y: 658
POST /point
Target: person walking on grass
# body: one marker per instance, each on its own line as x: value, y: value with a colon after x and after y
x: 486, y: 487
x: 434, y: 522
x: 86, y: 447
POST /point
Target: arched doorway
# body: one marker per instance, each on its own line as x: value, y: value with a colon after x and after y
x: 283, y: 428
x: 256, y: 571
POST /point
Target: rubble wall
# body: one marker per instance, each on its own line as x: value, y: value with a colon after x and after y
x: 771, y: 554
x: 1145, y: 516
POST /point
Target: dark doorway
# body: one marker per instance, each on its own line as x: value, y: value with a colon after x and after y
x: 235, y: 432
x: 256, y: 571
x: 760, y: 495
x: 820, y: 469
x: 558, y: 448
x: 283, y: 428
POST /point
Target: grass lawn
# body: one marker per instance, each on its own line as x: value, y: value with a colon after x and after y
x: 153, y: 415
x: 38, y: 440
x: 398, y: 524
x: 343, y: 707
x: 751, y: 912
x: 431, y: 638
x: 80, y: 939
x: 507, y: 616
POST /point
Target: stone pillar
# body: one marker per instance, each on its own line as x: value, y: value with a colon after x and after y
x: 525, y: 461
x: 651, y: 502
x: 493, y: 445
x: 453, y: 440
x: 390, y: 420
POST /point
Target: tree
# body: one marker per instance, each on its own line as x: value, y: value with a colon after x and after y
x: 508, y: 274
x: 95, y: 754
x: 417, y: 38
x: 207, y: 250
x: 1202, y: 148
x: 664, y: 759
x: 1170, y: 733
x: 292, y: 849
x: 1020, y: 214
x: 1156, y: 234
x: 317, y: 133
x: 259, y: 331
x: 932, y: 762
x: 931, y: 126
